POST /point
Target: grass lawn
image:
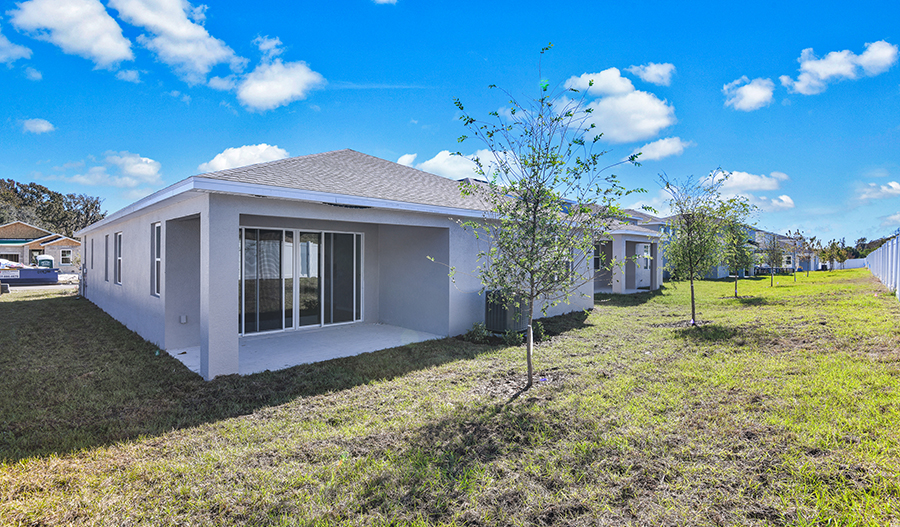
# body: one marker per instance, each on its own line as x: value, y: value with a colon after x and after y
x: 782, y: 408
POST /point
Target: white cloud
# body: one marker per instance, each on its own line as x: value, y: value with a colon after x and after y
x: 743, y: 181
x: 78, y: 27
x: 222, y: 83
x: 10, y: 52
x: 129, y: 76
x: 33, y: 74
x: 873, y: 191
x: 271, y: 47
x: 746, y: 95
x: 243, y: 156
x: 782, y: 202
x: 274, y: 84
x: 659, y: 74
x: 177, y: 38
x: 133, y: 169
x: 670, y: 146
x: 891, y: 221
x: 607, y: 82
x: 816, y: 73
x: 37, y: 126
x: 129, y: 171
x: 185, y: 98
x: 385, y: 1
x: 407, y: 159
x: 635, y: 116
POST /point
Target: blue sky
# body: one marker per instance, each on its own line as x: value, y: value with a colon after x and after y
x: 119, y: 98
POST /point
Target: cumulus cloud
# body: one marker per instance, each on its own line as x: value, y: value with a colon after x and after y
x: 276, y: 83
x: 738, y: 181
x: 133, y: 169
x: 78, y: 27
x: 33, y: 74
x: 765, y: 204
x: 746, y: 95
x: 129, y: 76
x: 407, y: 159
x: 243, y: 156
x: 37, y: 126
x: 670, y: 146
x: 659, y: 74
x: 118, y: 169
x: 891, y: 221
x: 10, y: 52
x: 607, y: 82
x: 873, y: 191
x: 622, y: 113
x: 177, y: 37
x: 631, y: 117
x: 222, y: 83
x: 816, y: 73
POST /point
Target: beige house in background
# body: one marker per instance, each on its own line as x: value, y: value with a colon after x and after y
x: 21, y: 242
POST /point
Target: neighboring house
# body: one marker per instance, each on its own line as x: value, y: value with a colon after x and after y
x: 629, y: 260
x: 21, y: 242
x: 235, y: 264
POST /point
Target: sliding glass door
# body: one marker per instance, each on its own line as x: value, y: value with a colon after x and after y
x: 293, y: 279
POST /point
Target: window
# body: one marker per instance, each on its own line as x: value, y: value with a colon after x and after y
x: 155, y: 258
x: 106, y: 258
x: 65, y: 256
x: 117, y: 246
x: 646, y: 256
x: 92, y: 253
x: 10, y: 257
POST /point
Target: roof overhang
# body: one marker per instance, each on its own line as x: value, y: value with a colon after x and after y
x: 210, y: 185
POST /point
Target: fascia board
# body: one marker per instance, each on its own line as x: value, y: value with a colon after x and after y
x: 201, y: 184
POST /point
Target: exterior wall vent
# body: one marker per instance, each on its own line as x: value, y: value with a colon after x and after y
x: 500, y: 319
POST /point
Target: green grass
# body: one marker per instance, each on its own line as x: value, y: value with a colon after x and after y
x: 782, y: 408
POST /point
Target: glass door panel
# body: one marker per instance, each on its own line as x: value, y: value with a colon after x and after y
x: 251, y: 240
x: 308, y: 279
x: 339, y: 275
x: 287, y: 274
x: 269, y: 274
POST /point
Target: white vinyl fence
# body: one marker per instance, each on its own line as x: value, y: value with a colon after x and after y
x: 885, y: 264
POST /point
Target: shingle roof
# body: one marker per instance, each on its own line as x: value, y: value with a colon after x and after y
x: 353, y: 173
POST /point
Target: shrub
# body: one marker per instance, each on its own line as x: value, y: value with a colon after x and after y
x: 537, y: 331
x: 513, y: 338
x: 478, y: 334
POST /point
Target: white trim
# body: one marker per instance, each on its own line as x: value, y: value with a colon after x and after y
x: 202, y: 184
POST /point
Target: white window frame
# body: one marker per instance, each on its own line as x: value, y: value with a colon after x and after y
x: 63, y: 257
x: 106, y: 258
x: 156, y: 258
x: 117, y: 264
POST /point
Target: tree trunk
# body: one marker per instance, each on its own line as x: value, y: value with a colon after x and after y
x: 735, y: 284
x: 529, y: 348
x: 771, y: 276
x: 693, y: 305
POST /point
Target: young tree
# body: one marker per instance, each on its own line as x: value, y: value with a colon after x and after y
x: 738, y: 254
x: 694, y: 245
x: 773, y: 255
x: 548, y: 196
x: 810, y: 246
x: 796, y: 244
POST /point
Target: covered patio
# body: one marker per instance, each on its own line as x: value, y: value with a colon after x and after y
x: 276, y: 351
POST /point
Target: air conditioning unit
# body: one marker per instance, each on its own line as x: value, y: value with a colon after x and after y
x: 499, y: 318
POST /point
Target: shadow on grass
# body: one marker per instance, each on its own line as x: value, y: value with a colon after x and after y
x: 605, y: 299
x: 722, y: 335
x: 75, y: 378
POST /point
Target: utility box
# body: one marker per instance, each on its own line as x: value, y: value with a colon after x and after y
x: 44, y: 260
x: 499, y: 318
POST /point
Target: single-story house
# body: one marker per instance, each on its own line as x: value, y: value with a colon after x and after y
x: 21, y: 242
x: 306, y: 258
x: 629, y: 259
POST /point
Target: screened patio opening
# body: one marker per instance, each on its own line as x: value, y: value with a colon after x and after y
x: 293, y: 279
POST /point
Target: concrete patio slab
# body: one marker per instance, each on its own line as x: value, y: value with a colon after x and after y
x: 276, y: 351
